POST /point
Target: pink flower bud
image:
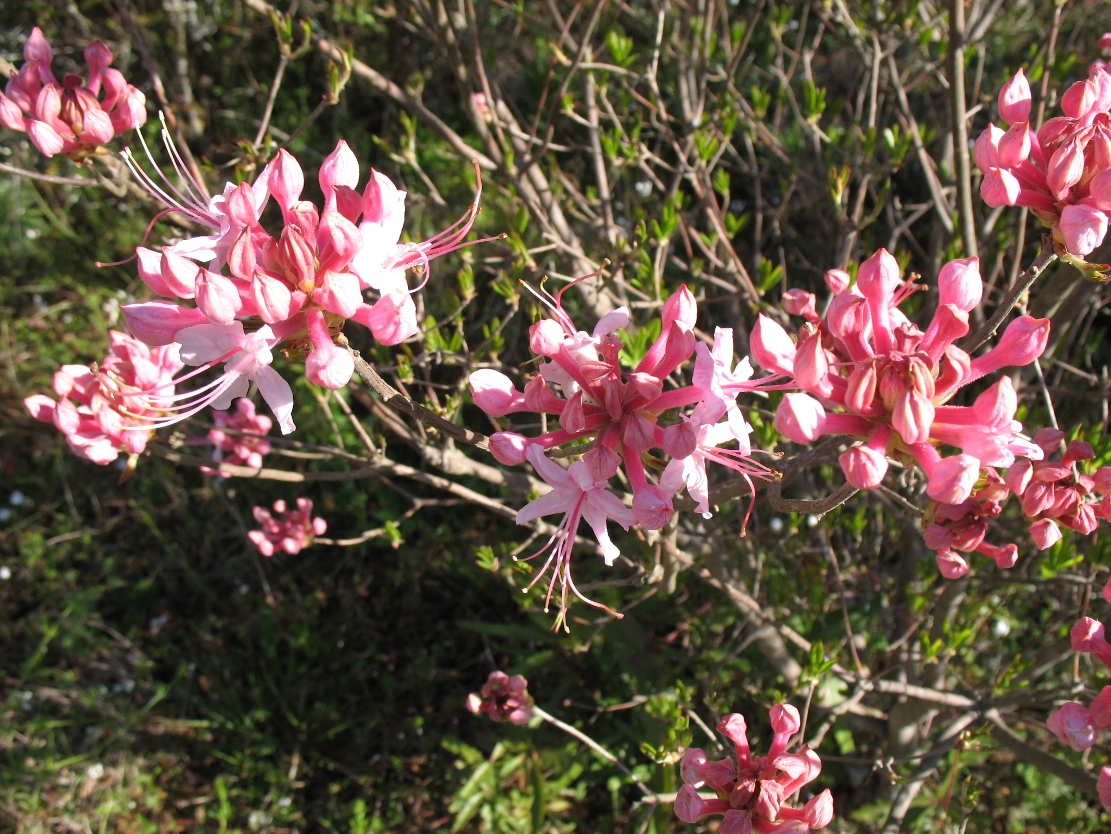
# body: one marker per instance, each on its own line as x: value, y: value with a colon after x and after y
x: 1004, y: 557
x: 837, y: 280
x: 508, y: 448
x: 801, y: 303
x: 652, y: 507
x: 771, y: 347
x: 639, y: 433
x: 959, y: 283
x: 38, y: 48
x: 812, y: 366
x: 339, y: 293
x: 799, y: 417
x: 242, y: 259
x: 338, y: 241
x: 681, y: 309
x: 392, y: 319
x: 272, y: 297
x: 1083, y: 228
x: 1045, y: 533
x: 241, y: 207
x: 495, y: 393
x: 1014, y: 99
x: 951, y: 564
x: 692, y: 768
x: 1000, y: 187
x: 680, y: 439
x: 1065, y: 168
x: 1103, y: 783
x: 178, y: 274
x: 734, y: 728
x: 1100, y: 709
x: 1019, y: 475
x: 688, y: 804
x: 1078, y: 99
x: 818, y: 812
x: 158, y: 322
x: 602, y: 463
x: 340, y: 167
x: 864, y: 468
x: 913, y: 417
x: 45, y: 138
x: 986, y: 149
x: 329, y: 366
x: 217, y: 297
x: 1049, y: 440
x: 573, y: 418
x: 736, y: 822
x: 879, y: 275
x: 285, y: 179
x: 40, y: 407
x: 952, y: 478
x: 1072, y: 723
x: 546, y: 337
x: 1099, y: 188
x: 1077, y: 450
x: 1022, y: 342
x: 1015, y: 145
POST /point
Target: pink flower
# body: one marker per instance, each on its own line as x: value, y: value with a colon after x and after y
x: 72, y: 118
x: 1059, y: 171
x: 301, y: 282
x: 1103, y: 786
x: 579, y: 492
x: 1072, y: 723
x: 109, y: 408
x: 503, y: 698
x: 290, y: 531
x: 892, y: 381
x: 752, y: 791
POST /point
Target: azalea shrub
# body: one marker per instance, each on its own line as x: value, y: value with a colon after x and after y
x: 621, y: 374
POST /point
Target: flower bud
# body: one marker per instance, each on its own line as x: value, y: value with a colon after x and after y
x: 1015, y: 145
x: 913, y: 417
x: 495, y: 393
x: 1083, y: 228
x: 1014, y: 99
x: 157, y: 322
x: 688, y: 804
x: 1019, y: 475
x: 1078, y: 99
x: 179, y: 274
x: 864, y: 467
x: 272, y: 297
x: 1065, y: 169
x: 1004, y: 557
x: 959, y: 284
x: 680, y: 309
x: 952, y: 478
x: 812, y: 366
x: 818, y: 812
x: 951, y: 564
x: 1022, y: 342
x: 1045, y: 533
x: 285, y: 180
x: 771, y: 347
x: 1000, y: 187
x: 1072, y: 723
x: 546, y: 337
x: 217, y: 297
x: 652, y: 507
x: 801, y: 303
x: 340, y: 167
x: 986, y: 149
x: 329, y: 366
x: 837, y: 280
x: 680, y: 439
x: 508, y: 447
x: 861, y: 390
x: 799, y: 417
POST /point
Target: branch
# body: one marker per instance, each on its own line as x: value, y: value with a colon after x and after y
x: 595, y: 746
x: 1003, y: 734
x: 35, y: 175
x: 399, y: 402
x: 960, y: 127
x: 1026, y: 280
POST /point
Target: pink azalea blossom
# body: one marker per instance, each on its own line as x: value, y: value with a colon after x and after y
x: 286, y: 529
x: 1059, y: 172
x: 752, y: 791
x: 871, y: 373
x: 503, y: 698
x: 108, y: 409
x: 1072, y: 723
x: 73, y: 118
x: 300, y: 283
x: 622, y: 415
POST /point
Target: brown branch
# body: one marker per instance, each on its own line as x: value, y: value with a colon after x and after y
x: 399, y: 402
x: 35, y: 175
x: 960, y: 127
x: 1003, y: 734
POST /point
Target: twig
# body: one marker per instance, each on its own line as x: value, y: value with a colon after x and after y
x: 1039, y: 758
x: 1026, y: 280
x: 596, y: 747
x: 35, y: 175
x: 960, y: 128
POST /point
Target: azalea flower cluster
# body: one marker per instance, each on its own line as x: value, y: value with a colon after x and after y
x: 613, y: 417
x: 75, y: 117
x: 245, y: 445
x: 1061, y: 172
x: 752, y: 791
x: 890, y: 380
x: 503, y: 698
x: 296, y: 288
x: 105, y: 409
x: 1052, y: 494
x: 286, y: 529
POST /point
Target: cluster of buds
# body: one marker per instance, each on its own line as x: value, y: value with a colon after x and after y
x: 752, y: 791
x: 614, y: 417
x: 503, y: 698
x: 245, y: 444
x: 105, y: 409
x: 296, y: 287
x: 1052, y: 493
x: 1061, y: 172
x: 892, y: 380
x: 286, y: 529
x: 70, y: 118
x: 952, y: 529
